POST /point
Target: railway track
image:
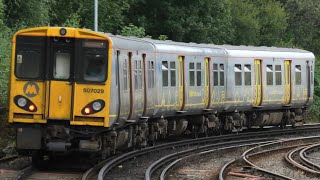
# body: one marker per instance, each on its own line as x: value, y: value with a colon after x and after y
x: 298, y: 158
x: 248, y: 157
x: 103, y: 169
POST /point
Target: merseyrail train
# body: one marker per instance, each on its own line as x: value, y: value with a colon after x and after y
x: 79, y: 90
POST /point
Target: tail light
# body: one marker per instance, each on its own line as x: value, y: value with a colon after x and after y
x: 25, y: 103
x: 93, y: 107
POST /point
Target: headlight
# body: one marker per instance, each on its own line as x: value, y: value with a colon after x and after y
x: 96, y: 106
x: 22, y: 102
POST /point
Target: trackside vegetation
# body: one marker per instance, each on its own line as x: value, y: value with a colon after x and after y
x: 282, y: 23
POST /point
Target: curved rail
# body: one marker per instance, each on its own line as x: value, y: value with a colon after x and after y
x: 25, y: 173
x: 297, y: 159
x: 250, y: 152
x: 124, y: 157
x: 176, y: 157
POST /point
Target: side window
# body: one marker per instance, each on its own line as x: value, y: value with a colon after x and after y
x: 238, y: 74
x: 278, y: 75
x: 173, y: 73
x: 269, y: 71
x: 165, y: 73
x: 298, y: 74
x: 247, y: 75
x: 215, y: 75
x: 191, y: 74
x: 125, y: 74
x: 199, y: 78
x: 135, y: 74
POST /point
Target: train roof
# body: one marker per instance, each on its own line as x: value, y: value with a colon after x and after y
x: 169, y: 46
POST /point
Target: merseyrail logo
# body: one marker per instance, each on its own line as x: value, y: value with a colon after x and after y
x: 31, y: 89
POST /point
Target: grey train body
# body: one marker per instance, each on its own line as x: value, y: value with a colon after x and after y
x: 151, y: 86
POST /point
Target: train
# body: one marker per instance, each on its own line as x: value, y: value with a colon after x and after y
x: 77, y: 90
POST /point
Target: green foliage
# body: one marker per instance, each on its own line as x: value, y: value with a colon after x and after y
x: 304, y: 23
x: 73, y: 20
x: 202, y: 21
x: 22, y: 13
x: 163, y: 37
x: 133, y: 30
x: 245, y: 20
x: 111, y: 13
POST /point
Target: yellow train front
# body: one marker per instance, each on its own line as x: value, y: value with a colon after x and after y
x: 59, y: 79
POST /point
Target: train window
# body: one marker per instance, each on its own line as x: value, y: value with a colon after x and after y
x: 215, y: 74
x: 199, y: 78
x: 95, y: 67
x: 269, y: 70
x: 173, y: 73
x: 61, y: 68
x: 125, y: 74
x: 135, y: 74
x: 247, y: 75
x: 165, y: 73
x: 150, y: 74
x: 238, y: 74
x: 298, y: 74
x: 28, y: 64
x: 221, y: 74
x: 191, y: 74
x: 278, y: 75
x: 140, y: 74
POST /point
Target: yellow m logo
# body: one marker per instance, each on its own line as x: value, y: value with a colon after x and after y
x: 31, y: 89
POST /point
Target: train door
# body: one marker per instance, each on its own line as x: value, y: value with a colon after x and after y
x: 206, y: 83
x: 60, y: 87
x: 287, y: 81
x: 258, y: 82
x: 181, y: 83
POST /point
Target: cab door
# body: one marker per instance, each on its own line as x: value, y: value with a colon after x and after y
x: 181, y: 83
x: 60, y: 85
x: 206, y: 83
x: 258, y: 83
x: 287, y: 82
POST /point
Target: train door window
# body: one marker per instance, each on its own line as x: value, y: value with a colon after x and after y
x: 173, y: 73
x: 199, y: 77
x: 28, y: 64
x: 139, y: 74
x: 298, y: 74
x: 61, y: 68
x: 192, y: 74
x: 238, y: 74
x: 135, y: 74
x: 247, y: 75
x: 117, y: 69
x: 278, y: 75
x: 269, y: 70
x: 215, y: 74
x: 221, y: 74
x: 125, y: 74
x: 150, y: 74
x: 165, y: 73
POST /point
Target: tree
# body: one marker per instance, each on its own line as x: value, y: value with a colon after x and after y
x: 110, y: 13
x: 304, y: 23
x: 246, y: 22
x: 22, y: 13
x: 202, y: 21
